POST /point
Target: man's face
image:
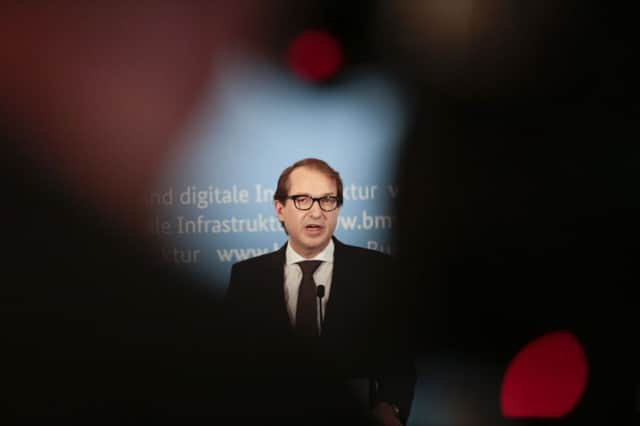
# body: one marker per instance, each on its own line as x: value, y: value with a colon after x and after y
x: 309, y: 230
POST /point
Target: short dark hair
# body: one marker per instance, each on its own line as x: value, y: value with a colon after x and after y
x: 282, y: 190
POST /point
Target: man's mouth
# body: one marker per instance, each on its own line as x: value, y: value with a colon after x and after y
x: 314, y: 227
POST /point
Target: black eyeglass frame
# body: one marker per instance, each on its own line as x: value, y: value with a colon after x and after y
x: 295, y: 198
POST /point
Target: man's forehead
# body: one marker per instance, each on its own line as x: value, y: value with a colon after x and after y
x: 306, y: 179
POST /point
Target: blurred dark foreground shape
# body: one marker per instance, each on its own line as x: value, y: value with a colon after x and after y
x: 518, y: 203
x: 95, y: 329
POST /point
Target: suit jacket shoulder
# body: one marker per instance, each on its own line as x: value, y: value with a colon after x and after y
x: 367, y: 255
x: 366, y: 268
x: 253, y: 271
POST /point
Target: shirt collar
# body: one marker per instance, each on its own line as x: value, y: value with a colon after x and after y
x: 326, y: 255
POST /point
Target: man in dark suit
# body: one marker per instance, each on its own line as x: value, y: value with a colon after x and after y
x: 317, y: 314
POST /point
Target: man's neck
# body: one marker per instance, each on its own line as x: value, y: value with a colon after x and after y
x: 308, y: 254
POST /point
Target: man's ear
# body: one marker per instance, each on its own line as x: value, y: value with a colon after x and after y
x: 279, y: 207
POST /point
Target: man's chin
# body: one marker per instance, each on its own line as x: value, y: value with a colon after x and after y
x: 315, y: 245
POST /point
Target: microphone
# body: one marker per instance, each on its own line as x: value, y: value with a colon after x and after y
x: 320, y: 294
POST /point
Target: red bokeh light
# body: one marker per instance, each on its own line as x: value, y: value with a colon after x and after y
x: 546, y: 379
x: 315, y: 55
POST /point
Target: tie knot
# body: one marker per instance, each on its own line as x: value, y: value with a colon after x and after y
x: 309, y: 266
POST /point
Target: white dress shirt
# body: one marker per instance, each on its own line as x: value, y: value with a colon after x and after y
x: 293, y: 279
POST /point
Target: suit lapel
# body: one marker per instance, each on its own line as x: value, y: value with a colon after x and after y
x: 274, y: 281
x: 336, y: 306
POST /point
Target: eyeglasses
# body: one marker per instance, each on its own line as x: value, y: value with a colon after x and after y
x: 305, y: 202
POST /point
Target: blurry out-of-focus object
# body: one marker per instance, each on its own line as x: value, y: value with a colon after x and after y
x: 100, y: 91
x: 523, y: 217
x: 492, y: 47
x: 315, y: 55
x: 546, y: 379
x: 93, y: 96
x: 438, y: 24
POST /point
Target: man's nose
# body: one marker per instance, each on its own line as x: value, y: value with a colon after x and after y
x: 315, y: 210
